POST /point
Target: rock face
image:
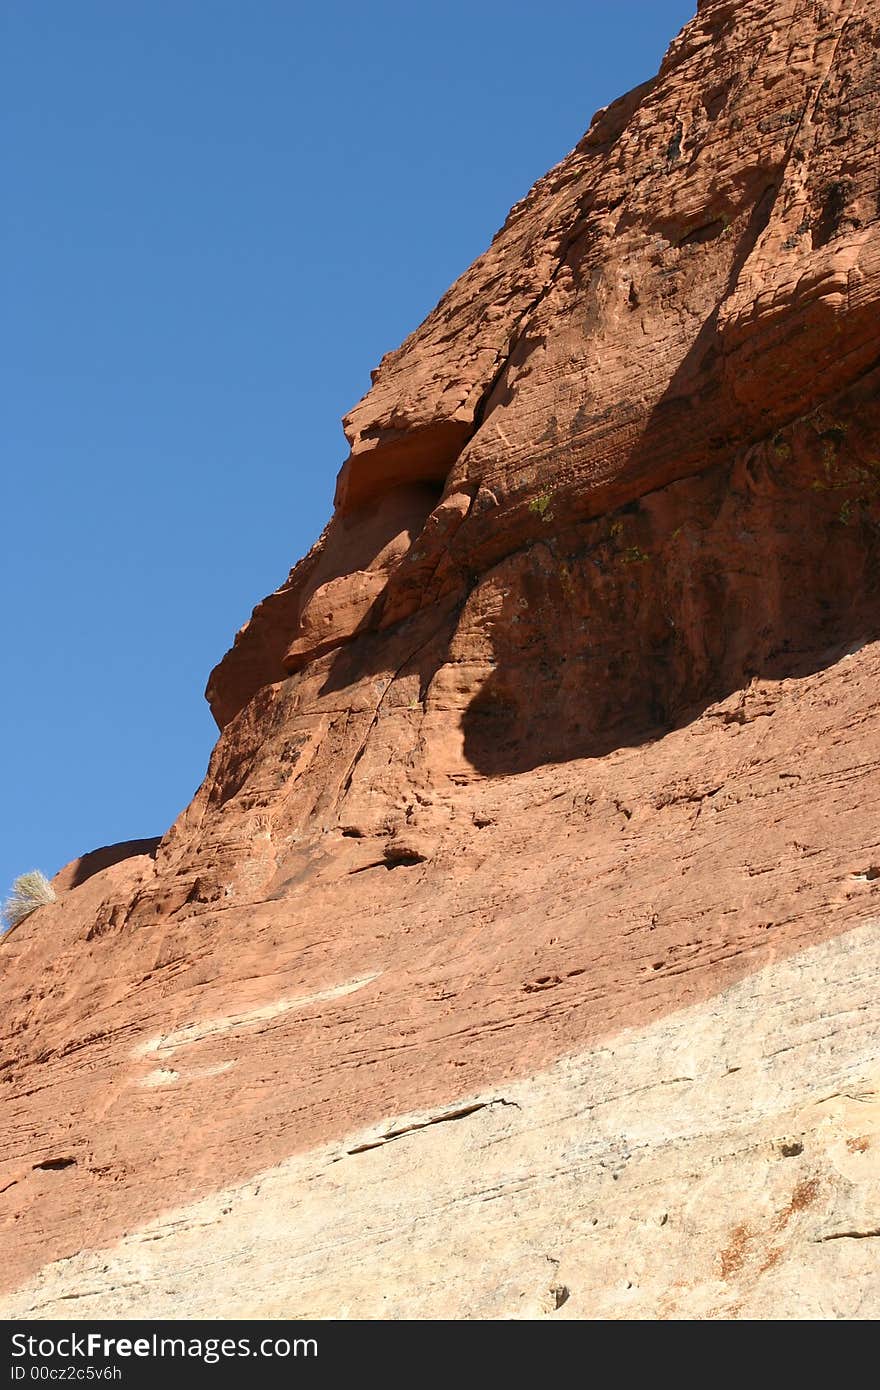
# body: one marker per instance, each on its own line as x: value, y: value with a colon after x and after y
x: 522, y: 938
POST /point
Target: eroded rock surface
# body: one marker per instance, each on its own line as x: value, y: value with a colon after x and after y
x: 542, y: 814
x: 721, y: 1162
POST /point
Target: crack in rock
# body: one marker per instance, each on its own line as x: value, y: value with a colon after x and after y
x: 460, y: 1113
x: 848, y: 1235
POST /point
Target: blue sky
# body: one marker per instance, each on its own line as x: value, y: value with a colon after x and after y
x: 218, y: 218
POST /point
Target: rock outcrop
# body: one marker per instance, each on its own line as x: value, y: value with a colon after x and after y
x: 522, y: 937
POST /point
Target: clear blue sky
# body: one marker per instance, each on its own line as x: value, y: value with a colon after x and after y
x: 218, y: 217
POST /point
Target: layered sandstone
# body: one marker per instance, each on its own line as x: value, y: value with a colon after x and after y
x: 519, y: 939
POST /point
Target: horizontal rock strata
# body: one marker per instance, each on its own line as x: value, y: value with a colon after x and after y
x: 519, y: 941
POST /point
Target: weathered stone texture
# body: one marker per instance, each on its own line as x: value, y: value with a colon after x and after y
x: 544, y: 799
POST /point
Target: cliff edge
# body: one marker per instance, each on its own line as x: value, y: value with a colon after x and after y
x: 517, y: 956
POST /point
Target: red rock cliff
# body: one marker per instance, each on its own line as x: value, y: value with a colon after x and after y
x: 563, y: 733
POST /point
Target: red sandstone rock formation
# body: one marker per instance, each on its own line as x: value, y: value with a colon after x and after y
x: 564, y: 725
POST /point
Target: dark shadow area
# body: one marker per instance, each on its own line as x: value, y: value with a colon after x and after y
x: 417, y: 644
x: 740, y: 539
x: 345, y: 592
x: 696, y: 422
x: 268, y: 647
x: 77, y: 872
x: 731, y: 545
x: 632, y: 624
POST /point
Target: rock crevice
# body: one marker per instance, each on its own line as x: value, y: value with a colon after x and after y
x: 588, y: 656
